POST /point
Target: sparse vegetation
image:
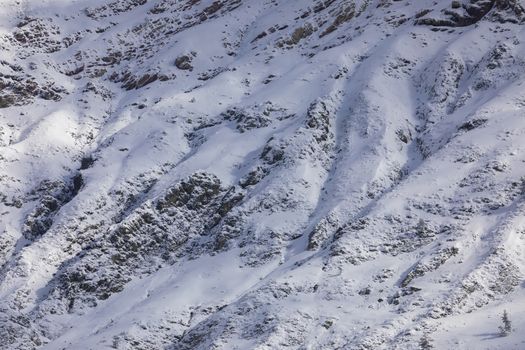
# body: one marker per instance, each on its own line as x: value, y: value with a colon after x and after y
x: 506, y: 328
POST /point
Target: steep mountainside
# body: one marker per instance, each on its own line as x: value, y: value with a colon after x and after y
x: 262, y: 174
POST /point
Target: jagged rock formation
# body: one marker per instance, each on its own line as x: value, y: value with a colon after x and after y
x: 241, y: 174
x: 466, y: 13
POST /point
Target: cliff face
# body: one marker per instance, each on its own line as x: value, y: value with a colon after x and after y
x: 261, y: 174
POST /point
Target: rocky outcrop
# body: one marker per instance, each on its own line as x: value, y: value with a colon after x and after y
x: 466, y: 13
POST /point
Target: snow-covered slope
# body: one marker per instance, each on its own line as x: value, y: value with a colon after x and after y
x: 262, y: 174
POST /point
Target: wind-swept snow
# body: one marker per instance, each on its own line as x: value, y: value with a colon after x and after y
x: 241, y: 174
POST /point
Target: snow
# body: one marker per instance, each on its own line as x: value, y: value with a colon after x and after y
x: 362, y: 189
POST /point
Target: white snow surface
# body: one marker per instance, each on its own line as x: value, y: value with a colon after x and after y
x: 262, y: 174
